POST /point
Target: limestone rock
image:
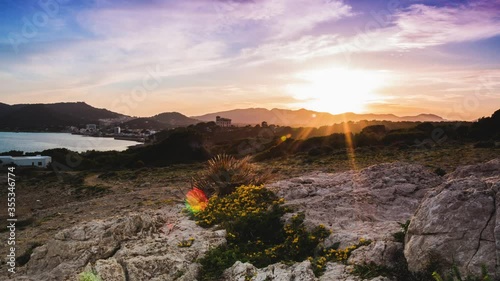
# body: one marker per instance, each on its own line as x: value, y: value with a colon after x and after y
x: 341, y: 272
x: 110, y: 270
x: 359, y: 204
x: 135, y: 247
x: 382, y: 253
x: 458, y: 223
x: 277, y: 272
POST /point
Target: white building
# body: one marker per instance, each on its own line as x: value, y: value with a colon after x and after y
x: 23, y: 161
x: 91, y: 127
x: 222, y: 122
x: 117, y: 130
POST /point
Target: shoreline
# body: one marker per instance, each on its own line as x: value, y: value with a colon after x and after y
x: 22, y: 142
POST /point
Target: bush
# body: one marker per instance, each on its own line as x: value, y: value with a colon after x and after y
x: 440, y: 172
x: 256, y: 233
x: 224, y: 173
x: 89, y: 276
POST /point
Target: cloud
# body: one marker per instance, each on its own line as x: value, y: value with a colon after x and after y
x: 423, y: 26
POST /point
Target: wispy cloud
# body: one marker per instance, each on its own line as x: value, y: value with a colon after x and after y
x: 423, y: 26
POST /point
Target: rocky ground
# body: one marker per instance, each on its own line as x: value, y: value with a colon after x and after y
x: 454, y: 216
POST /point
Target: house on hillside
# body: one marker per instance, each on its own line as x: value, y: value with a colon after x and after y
x: 222, y: 122
x: 26, y: 161
x: 91, y: 127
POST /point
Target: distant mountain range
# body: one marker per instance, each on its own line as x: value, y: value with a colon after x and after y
x: 304, y: 117
x: 56, y: 116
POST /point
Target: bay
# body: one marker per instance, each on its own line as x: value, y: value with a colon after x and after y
x: 33, y: 142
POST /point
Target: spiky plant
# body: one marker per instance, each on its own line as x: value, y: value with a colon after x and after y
x: 224, y: 173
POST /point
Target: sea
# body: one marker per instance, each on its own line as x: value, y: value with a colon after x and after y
x: 34, y: 142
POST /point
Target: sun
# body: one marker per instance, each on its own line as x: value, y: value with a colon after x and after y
x: 337, y: 90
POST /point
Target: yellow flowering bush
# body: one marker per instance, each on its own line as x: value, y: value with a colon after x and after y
x: 245, y: 201
x: 186, y: 243
x: 335, y: 255
x: 255, y: 231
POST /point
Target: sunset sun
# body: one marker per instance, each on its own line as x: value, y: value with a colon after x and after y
x: 337, y: 90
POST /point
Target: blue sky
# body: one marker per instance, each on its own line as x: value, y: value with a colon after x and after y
x: 146, y: 57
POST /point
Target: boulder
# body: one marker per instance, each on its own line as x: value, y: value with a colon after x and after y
x: 341, y: 272
x: 277, y: 272
x: 458, y: 223
x: 381, y: 253
x: 110, y: 270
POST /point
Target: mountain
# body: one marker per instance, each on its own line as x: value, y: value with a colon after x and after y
x: 304, y: 117
x: 51, y: 116
x: 4, y: 109
x: 175, y: 119
x: 423, y: 118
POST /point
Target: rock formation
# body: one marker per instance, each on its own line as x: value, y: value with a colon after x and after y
x: 457, y: 219
x: 459, y: 223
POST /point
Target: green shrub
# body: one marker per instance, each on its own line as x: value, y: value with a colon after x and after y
x: 370, y: 271
x: 400, y: 235
x: 89, y: 276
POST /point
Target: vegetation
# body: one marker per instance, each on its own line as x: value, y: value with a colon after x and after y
x: 224, y: 173
x: 400, y: 236
x: 89, y: 276
x: 186, y: 243
x: 455, y: 275
x: 256, y: 233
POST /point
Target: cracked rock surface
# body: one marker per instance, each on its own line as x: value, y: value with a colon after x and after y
x: 360, y: 204
x: 139, y: 246
x: 459, y: 222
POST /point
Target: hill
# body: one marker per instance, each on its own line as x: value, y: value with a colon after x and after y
x: 161, y: 121
x: 4, y: 109
x: 144, y: 123
x: 307, y: 118
x: 175, y: 119
x: 51, y: 116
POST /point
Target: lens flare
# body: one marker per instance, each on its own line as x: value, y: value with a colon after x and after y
x: 196, y: 200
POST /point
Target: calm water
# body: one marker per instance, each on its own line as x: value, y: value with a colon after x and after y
x: 32, y: 142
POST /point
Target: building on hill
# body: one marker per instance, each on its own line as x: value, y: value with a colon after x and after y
x: 222, y: 122
x: 117, y: 130
x: 91, y: 127
x: 26, y: 161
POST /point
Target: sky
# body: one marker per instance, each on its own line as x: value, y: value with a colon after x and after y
x: 144, y: 57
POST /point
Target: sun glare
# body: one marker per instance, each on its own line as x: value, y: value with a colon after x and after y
x: 336, y: 90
